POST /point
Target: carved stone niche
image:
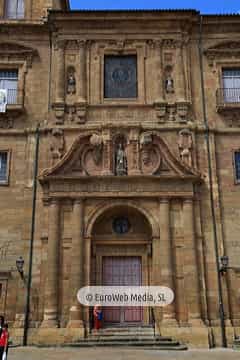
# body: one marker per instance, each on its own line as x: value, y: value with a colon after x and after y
x: 185, y: 146
x: 121, y: 155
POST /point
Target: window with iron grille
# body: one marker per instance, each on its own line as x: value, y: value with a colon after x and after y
x: 120, y: 76
x: 237, y: 165
x: 9, y: 81
x: 231, y: 85
x: 14, y: 9
x: 3, y: 167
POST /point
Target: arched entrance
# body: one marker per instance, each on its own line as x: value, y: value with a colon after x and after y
x: 121, y: 256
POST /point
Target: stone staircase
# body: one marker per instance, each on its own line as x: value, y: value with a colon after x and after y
x: 137, y: 337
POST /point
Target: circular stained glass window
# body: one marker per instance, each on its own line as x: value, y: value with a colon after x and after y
x: 121, y: 225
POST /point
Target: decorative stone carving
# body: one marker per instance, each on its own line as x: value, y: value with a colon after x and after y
x: 57, y: 146
x: 226, y: 49
x: 185, y: 146
x: 6, y: 122
x: 17, y: 52
x: 150, y: 154
x: 121, y: 165
x: 59, y: 109
x: 161, y: 110
x: 168, y: 112
x: 71, y: 111
x: 182, y: 111
x: 97, y: 142
x: 81, y: 110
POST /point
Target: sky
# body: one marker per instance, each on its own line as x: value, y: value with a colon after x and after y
x: 205, y: 6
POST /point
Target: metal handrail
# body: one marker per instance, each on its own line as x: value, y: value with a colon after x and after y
x: 228, y: 96
x: 153, y: 321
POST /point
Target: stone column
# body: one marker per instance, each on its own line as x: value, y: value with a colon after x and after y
x: 77, y: 277
x: 191, y: 264
x: 81, y: 82
x: 87, y: 269
x: 60, y: 73
x: 166, y: 264
x: 180, y: 77
x: 51, y: 289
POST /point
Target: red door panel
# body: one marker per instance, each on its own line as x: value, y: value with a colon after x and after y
x: 122, y: 271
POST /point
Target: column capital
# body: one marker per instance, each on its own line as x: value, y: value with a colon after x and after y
x: 82, y: 44
x: 188, y: 200
x: 78, y: 201
x: 54, y: 201
x: 164, y: 200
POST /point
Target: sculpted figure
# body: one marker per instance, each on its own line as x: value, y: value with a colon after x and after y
x: 185, y: 146
x: 121, y: 161
x: 169, y: 84
x: 71, y: 84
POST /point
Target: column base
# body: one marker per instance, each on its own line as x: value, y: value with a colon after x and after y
x: 75, y: 324
x: 196, y: 322
x: 49, y: 324
x: 169, y: 322
x: 19, y: 321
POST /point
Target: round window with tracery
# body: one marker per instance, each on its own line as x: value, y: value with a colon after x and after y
x: 121, y: 225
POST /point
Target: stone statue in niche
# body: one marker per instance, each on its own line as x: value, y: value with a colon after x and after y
x: 169, y: 82
x: 97, y: 142
x: 71, y: 82
x: 185, y: 146
x: 121, y: 166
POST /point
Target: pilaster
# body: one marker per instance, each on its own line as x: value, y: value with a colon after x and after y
x: 77, y: 256
x: 191, y: 265
x: 51, y: 289
x: 169, y: 313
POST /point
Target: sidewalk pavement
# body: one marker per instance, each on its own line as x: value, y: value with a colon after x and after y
x: 98, y: 353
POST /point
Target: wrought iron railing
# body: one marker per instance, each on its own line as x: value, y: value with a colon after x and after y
x: 228, y: 96
x: 12, y: 98
x: 16, y: 14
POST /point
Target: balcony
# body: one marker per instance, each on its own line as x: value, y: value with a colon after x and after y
x: 228, y: 99
x: 14, y: 108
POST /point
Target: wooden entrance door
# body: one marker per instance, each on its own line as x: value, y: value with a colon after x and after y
x: 122, y: 271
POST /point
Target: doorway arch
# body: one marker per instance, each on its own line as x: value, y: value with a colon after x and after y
x: 121, y: 238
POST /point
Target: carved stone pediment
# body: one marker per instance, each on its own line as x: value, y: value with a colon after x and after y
x: 157, y: 158
x: 83, y: 158
x: 9, y: 50
x: 223, y: 50
x: 87, y: 157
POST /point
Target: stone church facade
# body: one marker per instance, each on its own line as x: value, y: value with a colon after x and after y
x: 138, y: 166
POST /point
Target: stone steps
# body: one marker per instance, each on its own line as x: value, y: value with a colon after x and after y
x: 129, y: 337
x: 236, y: 344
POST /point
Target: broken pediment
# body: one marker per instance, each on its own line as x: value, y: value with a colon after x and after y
x: 94, y: 155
